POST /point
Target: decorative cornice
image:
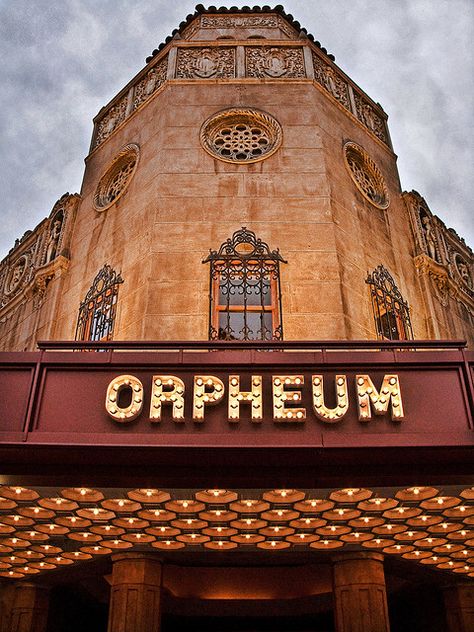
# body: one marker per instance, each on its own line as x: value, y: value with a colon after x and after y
x: 268, y: 60
x: 444, y: 283
x: 200, y: 10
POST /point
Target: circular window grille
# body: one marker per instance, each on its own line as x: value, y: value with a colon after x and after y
x: 366, y: 175
x: 241, y: 135
x: 117, y: 177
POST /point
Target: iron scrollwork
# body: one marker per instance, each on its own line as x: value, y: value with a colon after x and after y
x: 97, y: 311
x: 391, y: 311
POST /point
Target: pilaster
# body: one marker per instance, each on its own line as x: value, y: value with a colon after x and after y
x: 360, y: 600
x: 459, y: 604
x: 135, y: 599
x: 30, y: 608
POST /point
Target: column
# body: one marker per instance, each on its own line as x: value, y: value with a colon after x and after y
x: 135, y: 593
x: 30, y: 608
x: 360, y: 600
x: 459, y: 604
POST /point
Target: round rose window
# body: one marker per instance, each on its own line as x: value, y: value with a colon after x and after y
x: 241, y: 135
x: 117, y: 177
x: 366, y: 175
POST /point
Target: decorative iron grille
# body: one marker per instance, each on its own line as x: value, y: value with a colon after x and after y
x: 391, y: 311
x: 245, y: 296
x: 97, y: 311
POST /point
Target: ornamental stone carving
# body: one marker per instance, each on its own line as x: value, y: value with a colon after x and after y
x: 236, y: 21
x: 429, y: 235
x: 327, y: 77
x: 206, y: 63
x: 150, y: 83
x: 37, y: 257
x: 111, y: 120
x: 115, y: 180
x: 241, y: 135
x: 438, y: 275
x: 369, y: 117
x: 274, y: 62
x: 16, y: 275
x: 366, y: 175
x: 53, y: 237
x: 463, y: 271
x: 286, y: 28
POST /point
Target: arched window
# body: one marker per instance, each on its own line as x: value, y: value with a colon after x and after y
x: 245, y: 297
x: 97, y: 311
x: 391, y: 311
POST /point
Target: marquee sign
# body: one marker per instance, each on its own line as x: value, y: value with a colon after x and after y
x: 125, y: 397
x: 239, y: 398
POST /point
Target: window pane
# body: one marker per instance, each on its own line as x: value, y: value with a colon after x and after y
x: 388, y: 326
x: 245, y: 289
x: 245, y: 326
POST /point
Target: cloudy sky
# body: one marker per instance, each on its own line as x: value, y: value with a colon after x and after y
x: 61, y: 61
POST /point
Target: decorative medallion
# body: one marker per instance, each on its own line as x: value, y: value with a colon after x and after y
x: 275, y: 62
x: 329, y: 79
x: 366, y: 175
x: 153, y: 80
x: 205, y: 63
x: 241, y: 135
x: 111, y: 120
x: 117, y: 177
x: 17, y: 274
x: 368, y: 116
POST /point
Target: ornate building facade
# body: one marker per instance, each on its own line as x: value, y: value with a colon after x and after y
x: 241, y: 196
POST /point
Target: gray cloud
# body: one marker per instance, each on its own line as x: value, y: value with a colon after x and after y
x: 62, y: 61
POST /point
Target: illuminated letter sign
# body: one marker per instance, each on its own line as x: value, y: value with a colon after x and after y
x: 281, y: 396
x: 367, y: 394
x: 208, y: 389
x: 254, y: 396
x: 125, y: 395
x: 124, y: 387
x: 167, y: 388
x: 330, y: 415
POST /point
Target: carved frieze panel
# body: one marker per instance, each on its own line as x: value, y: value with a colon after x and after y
x: 369, y: 117
x: 150, y: 82
x: 327, y: 77
x: 206, y: 63
x: 274, y: 62
x: 111, y: 120
x: 190, y: 30
x: 286, y: 28
x: 238, y: 21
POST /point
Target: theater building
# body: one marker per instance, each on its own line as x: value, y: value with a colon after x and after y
x: 236, y: 386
